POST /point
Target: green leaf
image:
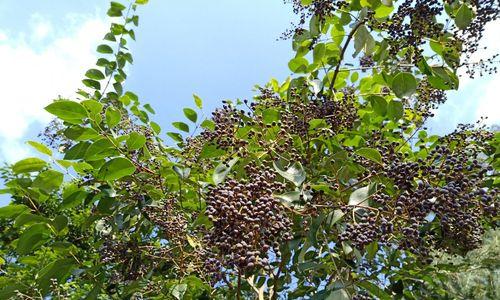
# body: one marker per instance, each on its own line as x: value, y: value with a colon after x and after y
x: 179, y: 290
x: 363, y: 41
x: 113, y: 116
x: 334, y: 217
x: 100, y: 149
x: 95, y: 74
x: 32, y: 238
x: 78, y: 133
x: 289, y: 198
x: 464, y: 16
x: 319, y: 52
x: 40, y: 147
x: 93, y: 107
x: 379, y: 105
x: 141, y: 2
x: 92, y: 84
x: 155, y: 126
x: 404, y: 84
x: 104, y: 49
x: 222, y: 170
x: 190, y: 114
x: 298, y: 65
x: 48, y: 181
x: 295, y: 173
x: 29, y: 219
x: 116, y: 168
x: 383, y: 11
x: 175, y: 136
x: 198, y: 101
x: 66, y: 110
x: 360, y: 196
x: 183, y: 173
x: 181, y: 126
x: 27, y: 165
x: 74, y: 199
x: 374, y: 289
x: 208, y: 124
x: 59, y: 270
x: 136, y: 141
x: 12, y: 210
x: 395, y: 110
x: 371, y: 154
x: 77, y: 151
x: 270, y: 115
x: 149, y: 108
x: 60, y: 222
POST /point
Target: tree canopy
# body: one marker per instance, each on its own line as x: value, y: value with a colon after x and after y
x: 325, y: 185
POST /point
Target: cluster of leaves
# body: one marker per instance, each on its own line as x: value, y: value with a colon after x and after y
x: 473, y: 276
x: 325, y: 186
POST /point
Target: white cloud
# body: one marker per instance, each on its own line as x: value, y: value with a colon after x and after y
x: 37, y: 67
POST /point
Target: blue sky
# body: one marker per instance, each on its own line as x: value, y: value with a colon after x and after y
x: 216, y: 49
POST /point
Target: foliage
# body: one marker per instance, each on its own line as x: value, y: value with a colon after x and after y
x: 474, y: 276
x: 325, y: 186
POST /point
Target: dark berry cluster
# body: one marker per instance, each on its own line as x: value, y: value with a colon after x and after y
x: 411, y: 25
x: 364, y: 231
x: 319, y: 8
x: 248, y: 222
x: 366, y: 62
x: 485, y: 12
x: 171, y: 222
x: 128, y: 259
x: 427, y: 99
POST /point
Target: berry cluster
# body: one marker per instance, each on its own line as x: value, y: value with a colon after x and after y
x: 363, y: 232
x: 485, y: 12
x: 428, y: 99
x: 248, y: 222
x: 413, y: 22
x: 172, y: 223
x: 366, y: 62
x: 319, y: 8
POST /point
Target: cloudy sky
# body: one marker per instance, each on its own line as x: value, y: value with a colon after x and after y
x: 217, y: 49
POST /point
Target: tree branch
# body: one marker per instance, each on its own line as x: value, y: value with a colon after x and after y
x: 342, y: 54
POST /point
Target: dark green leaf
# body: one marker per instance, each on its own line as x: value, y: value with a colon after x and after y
x: 48, y: 181
x: 371, y: 154
x: 12, y: 210
x: 181, y: 126
x: 116, y: 168
x: 105, y: 49
x: 395, y: 110
x: 32, y: 238
x: 464, y: 16
x: 379, y: 105
x: 95, y: 74
x: 404, y: 84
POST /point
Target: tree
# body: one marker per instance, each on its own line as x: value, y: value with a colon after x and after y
x: 325, y: 186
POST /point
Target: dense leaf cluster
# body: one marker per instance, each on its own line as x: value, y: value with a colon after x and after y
x: 324, y: 186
